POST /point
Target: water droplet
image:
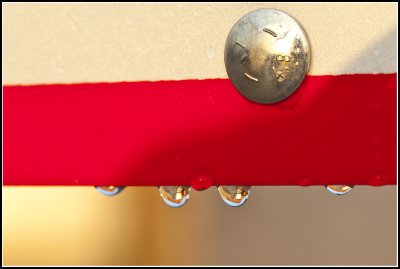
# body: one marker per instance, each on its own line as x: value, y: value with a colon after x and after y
x: 234, y: 195
x: 201, y: 182
x: 376, y: 180
x: 304, y: 182
x: 211, y: 52
x: 109, y: 190
x: 174, y: 196
x: 339, y: 189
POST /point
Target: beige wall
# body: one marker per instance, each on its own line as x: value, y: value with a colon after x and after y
x: 130, y: 42
x: 45, y: 43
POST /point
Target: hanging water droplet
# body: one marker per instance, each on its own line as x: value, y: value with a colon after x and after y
x: 201, y: 181
x: 339, y: 189
x: 174, y: 196
x: 234, y: 195
x: 376, y: 179
x: 109, y: 190
x: 305, y: 182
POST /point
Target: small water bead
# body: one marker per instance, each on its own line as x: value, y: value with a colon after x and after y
x: 201, y: 182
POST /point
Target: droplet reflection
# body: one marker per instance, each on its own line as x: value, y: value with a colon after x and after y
x: 109, y: 190
x: 174, y: 196
x: 234, y: 195
x: 339, y: 189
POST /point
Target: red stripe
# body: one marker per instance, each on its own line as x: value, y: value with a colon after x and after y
x: 333, y: 130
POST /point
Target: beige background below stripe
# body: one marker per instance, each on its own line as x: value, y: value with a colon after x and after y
x: 48, y: 43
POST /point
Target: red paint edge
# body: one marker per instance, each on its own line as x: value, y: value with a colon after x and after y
x: 333, y: 130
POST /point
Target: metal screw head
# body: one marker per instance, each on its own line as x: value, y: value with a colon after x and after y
x: 267, y: 55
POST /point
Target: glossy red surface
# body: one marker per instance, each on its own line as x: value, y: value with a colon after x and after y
x: 333, y: 130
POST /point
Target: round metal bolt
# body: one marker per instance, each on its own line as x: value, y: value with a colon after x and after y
x: 267, y: 55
